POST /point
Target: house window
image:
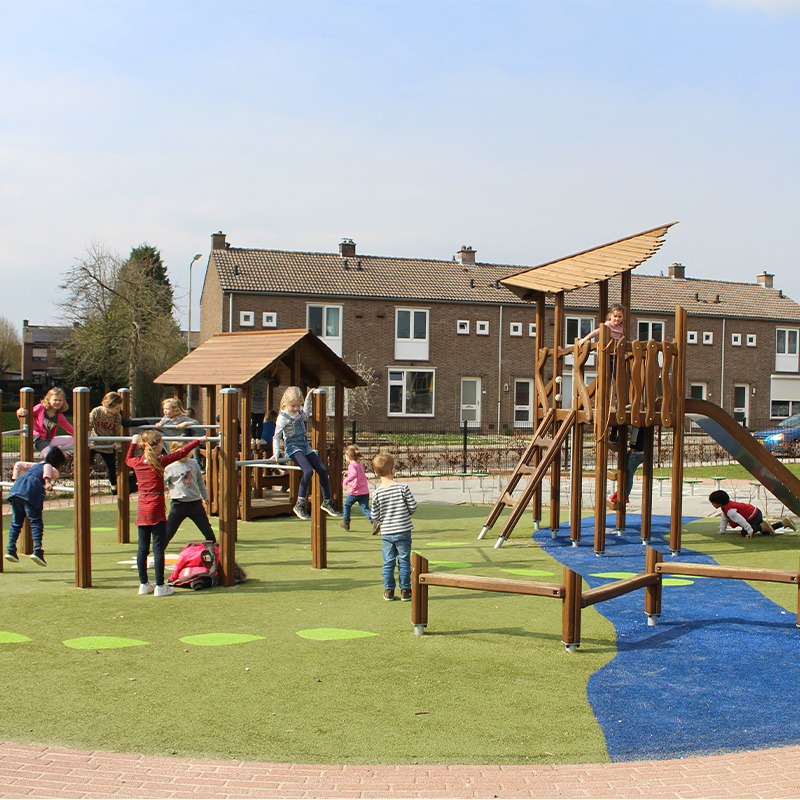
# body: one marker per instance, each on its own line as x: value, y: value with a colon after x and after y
x: 786, y: 349
x: 736, y: 339
x: 691, y: 337
x: 531, y: 329
x: 482, y: 327
x: 650, y: 330
x: 751, y: 340
x: 270, y: 319
x: 247, y: 319
x: 708, y: 337
x: 411, y: 334
x: 39, y: 354
x: 515, y: 329
x: 577, y: 328
x: 325, y: 322
x: 462, y: 326
x: 411, y: 392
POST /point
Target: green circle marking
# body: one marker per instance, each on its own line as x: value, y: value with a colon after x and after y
x: 6, y: 637
x: 664, y: 581
x: 103, y: 529
x: 451, y: 564
x: 102, y: 642
x: 328, y: 634
x: 445, y: 544
x: 676, y: 582
x: 219, y: 639
x: 529, y: 572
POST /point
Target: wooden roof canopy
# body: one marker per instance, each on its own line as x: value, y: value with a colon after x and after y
x: 587, y: 267
x: 235, y: 359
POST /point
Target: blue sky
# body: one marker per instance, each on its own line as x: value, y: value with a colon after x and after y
x: 529, y: 129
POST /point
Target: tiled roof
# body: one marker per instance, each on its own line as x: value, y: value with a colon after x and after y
x: 326, y: 275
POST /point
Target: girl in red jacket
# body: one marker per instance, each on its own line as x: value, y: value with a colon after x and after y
x: 48, y: 417
x: 151, y: 511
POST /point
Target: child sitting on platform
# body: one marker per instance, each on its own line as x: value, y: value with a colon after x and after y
x: 744, y: 516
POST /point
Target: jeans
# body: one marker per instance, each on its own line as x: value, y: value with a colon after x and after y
x: 397, y: 547
x: 180, y: 510
x: 635, y: 459
x: 158, y: 533
x: 21, y: 508
x: 351, y: 500
x: 311, y: 463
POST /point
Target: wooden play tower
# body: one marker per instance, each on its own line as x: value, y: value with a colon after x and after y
x: 635, y: 383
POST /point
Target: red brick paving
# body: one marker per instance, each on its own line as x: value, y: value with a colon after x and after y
x: 33, y: 771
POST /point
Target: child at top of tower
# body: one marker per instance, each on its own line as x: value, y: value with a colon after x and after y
x: 614, y: 322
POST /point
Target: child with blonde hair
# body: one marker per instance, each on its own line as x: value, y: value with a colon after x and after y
x: 290, y: 428
x: 48, y: 417
x: 355, y: 486
x: 151, y: 515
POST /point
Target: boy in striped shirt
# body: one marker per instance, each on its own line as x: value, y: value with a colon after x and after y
x: 392, y: 507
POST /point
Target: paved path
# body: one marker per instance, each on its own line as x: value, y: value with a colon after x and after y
x: 34, y: 771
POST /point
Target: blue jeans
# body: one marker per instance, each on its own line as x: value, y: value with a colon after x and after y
x: 351, y: 500
x: 397, y: 548
x: 158, y: 532
x: 21, y: 508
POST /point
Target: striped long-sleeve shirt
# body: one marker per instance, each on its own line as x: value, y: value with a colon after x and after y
x: 393, y: 505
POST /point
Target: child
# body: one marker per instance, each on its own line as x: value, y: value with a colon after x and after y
x: 151, y: 516
x: 175, y: 416
x: 744, y: 516
x: 355, y: 486
x: 392, y: 506
x: 614, y: 320
x: 48, y: 416
x: 26, y: 496
x: 106, y: 420
x: 291, y: 427
x: 187, y: 489
x: 268, y: 430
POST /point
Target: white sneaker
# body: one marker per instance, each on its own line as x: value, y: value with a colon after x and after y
x: 146, y: 588
x: 788, y: 523
x: 165, y: 590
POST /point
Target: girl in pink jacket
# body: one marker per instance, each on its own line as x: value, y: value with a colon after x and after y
x: 356, y: 485
x: 48, y: 417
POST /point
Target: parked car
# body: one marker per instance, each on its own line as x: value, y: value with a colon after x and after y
x: 784, y: 438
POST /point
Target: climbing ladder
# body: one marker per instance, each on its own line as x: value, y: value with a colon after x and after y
x: 534, y: 464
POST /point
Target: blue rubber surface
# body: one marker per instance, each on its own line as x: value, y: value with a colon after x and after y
x: 716, y: 674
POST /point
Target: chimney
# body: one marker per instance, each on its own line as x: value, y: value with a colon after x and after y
x: 466, y: 255
x: 677, y: 271
x: 347, y: 248
x: 765, y: 279
x: 218, y: 241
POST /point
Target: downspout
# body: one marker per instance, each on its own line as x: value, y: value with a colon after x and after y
x: 722, y: 370
x: 230, y: 313
x: 499, y: 366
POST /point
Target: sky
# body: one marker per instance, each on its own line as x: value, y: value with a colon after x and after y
x: 528, y: 129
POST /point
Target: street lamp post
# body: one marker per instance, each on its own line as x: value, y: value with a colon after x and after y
x: 189, y: 331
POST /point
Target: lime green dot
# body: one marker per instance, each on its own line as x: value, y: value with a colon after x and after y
x: 219, y: 639
x: 327, y: 634
x: 451, y: 564
x: 102, y: 642
x: 618, y: 575
x: 676, y: 582
x: 530, y: 572
x: 445, y: 544
x: 6, y: 637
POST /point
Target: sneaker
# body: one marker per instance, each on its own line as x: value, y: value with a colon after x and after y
x: 146, y: 588
x: 767, y: 529
x: 788, y: 523
x: 388, y: 594
x: 113, y: 490
x: 328, y: 507
x: 405, y: 594
x: 345, y: 523
x: 376, y: 526
x: 165, y: 590
x: 301, y: 510
x: 12, y: 557
x: 38, y: 558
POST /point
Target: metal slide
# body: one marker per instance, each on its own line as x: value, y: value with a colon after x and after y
x: 749, y: 452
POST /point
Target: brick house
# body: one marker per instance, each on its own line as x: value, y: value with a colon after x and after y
x: 448, y: 342
x: 42, y: 353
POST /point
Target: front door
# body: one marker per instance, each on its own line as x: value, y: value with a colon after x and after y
x: 471, y: 401
x: 741, y: 403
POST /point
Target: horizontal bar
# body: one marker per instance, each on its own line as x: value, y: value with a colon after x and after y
x: 721, y: 571
x: 266, y: 465
x: 188, y: 439
x: 9, y: 484
x: 170, y: 425
x: 506, y: 585
x: 617, y: 588
x: 14, y: 433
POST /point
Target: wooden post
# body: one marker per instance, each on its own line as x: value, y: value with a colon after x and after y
x: 25, y: 542
x: 212, y: 451
x: 229, y: 495
x: 555, y: 470
x: 571, y: 610
x: 319, y: 530
x: 677, y: 432
x: 652, y: 592
x: 81, y: 469
x: 576, y: 473
x: 601, y: 405
x: 647, y: 484
x: 245, y: 453
x: 541, y: 343
x: 419, y: 593
x: 337, y: 449
x: 123, y: 482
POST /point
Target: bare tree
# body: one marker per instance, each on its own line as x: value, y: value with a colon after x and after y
x: 361, y: 399
x: 10, y: 347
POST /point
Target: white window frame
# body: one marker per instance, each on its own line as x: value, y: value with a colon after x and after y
x: 482, y: 327
x: 333, y: 341
x: 691, y: 337
x: 462, y: 326
x: 411, y: 347
x: 247, y: 319
x: 586, y: 324
x: 532, y: 329
x: 398, y: 377
x: 515, y: 329
x: 736, y: 340
x: 708, y: 337
x: 269, y: 319
x: 650, y: 323
x: 786, y: 359
x: 751, y: 340
x: 523, y: 408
